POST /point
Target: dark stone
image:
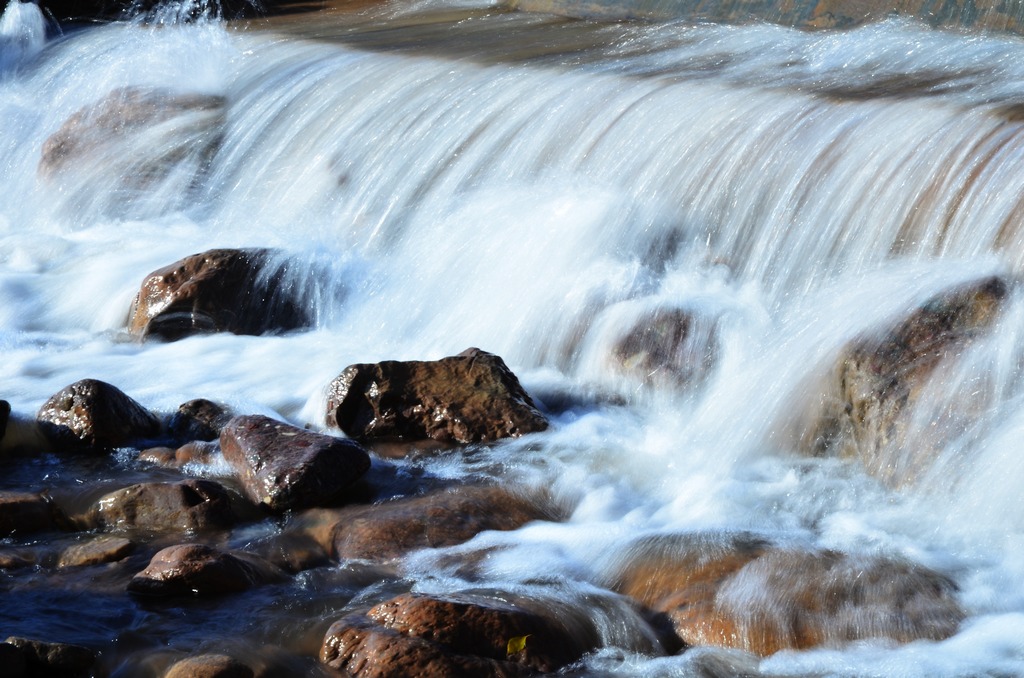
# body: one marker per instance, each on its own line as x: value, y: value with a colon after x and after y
x: 471, y: 397
x: 209, y: 666
x: 190, y: 505
x: 93, y: 415
x: 199, y: 419
x: 389, y: 530
x: 196, y: 569
x: 672, y: 347
x: 284, y: 467
x: 223, y: 290
x: 13, y: 663
x: 24, y: 513
x: 55, y: 659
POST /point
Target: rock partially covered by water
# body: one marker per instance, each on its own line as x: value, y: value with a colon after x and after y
x: 740, y: 592
x: 445, y: 518
x: 25, y: 513
x: 209, y: 666
x: 468, y: 398
x: 196, y: 569
x: 284, y: 467
x: 198, y: 419
x: 223, y: 290
x: 190, y: 505
x: 94, y: 415
x: 53, y: 659
x: 102, y: 549
x: 672, y: 347
x: 129, y: 128
x: 880, y: 378
x: 456, y: 635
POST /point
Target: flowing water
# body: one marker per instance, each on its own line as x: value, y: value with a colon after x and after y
x: 448, y: 176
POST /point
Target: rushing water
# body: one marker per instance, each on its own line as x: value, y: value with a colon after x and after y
x: 791, y: 190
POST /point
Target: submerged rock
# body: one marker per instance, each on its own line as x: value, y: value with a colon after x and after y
x: 284, y: 467
x: 54, y: 659
x: 94, y: 415
x: 222, y: 290
x: 672, y: 347
x: 445, y: 518
x: 468, y: 398
x: 880, y: 378
x: 738, y: 591
x: 25, y: 513
x: 454, y: 635
x: 190, y: 505
x: 209, y: 666
x: 196, y: 569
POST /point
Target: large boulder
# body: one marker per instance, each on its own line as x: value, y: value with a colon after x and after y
x: 190, y: 505
x: 868, y: 406
x: 284, y: 467
x: 444, y: 518
x: 468, y: 398
x: 739, y: 591
x: 196, y: 569
x: 94, y: 415
x: 243, y: 291
x: 454, y: 635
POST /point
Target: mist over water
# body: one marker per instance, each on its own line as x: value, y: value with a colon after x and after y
x: 789, y: 191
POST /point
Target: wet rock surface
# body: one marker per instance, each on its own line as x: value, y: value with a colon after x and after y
x: 674, y: 347
x: 196, y: 569
x: 880, y: 378
x: 198, y: 419
x: 242, y: 291
x: 26, y: 513
x: 209, y: 666
x: 53, y: 659
x: 103, y: 549
x: 471, y: 397
x: 283, y: 467
x: 189, y: 506
x: 94, y: 415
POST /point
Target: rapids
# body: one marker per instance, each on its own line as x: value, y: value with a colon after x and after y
x: 452, y: 174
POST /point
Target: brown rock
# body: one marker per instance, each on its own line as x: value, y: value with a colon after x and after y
x: 736, y: 591
x: 471, y: 397
x: 123, y: 130
x: 284, y: 467
x: 54, y: 659
x: 188, y: 569
x: 198, y: 419
x: 103, y: 549
x: 92, y: 414
x: 24, y: 513
x: 223, y: 290
x: 443, y: 518
x: 190, y: 505
x: 880, y: 378
x: 674, y: 347
x: 209, y: 666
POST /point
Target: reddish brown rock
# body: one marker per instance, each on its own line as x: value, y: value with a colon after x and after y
x: 195, y: 569
x: 672, y: 347
x: 198, y: 419
x: 54, y: 659
x: 870, y: 398
x: 461, y: 635
x: 102, y: 549
x: 223, y: 290
x: 209, y: 666
x: 471, y: 397
x: 443, y: 518
x: 93, y: 415
x: 25, y: 512
x: 190, y: 505
x: 284, y: 467
x: 737, y: 591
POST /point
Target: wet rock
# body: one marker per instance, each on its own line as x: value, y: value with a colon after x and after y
x: 12, y: 662
x: 132, y: 130
x: 458, y: 635
x: 736, y: 591
x: 25, y: 513
x: 94, y: 415
x: 198, y: 419
x: 103, y: 549
x: 880, y: 378
x: 190, y: 505
x: 222, y: 290
x: 188, y: 569
x: 284, y: 467
x: 471, y: 397
x: 445, y: 518
x: 209, y: 666
x: 672, y: 347
x: 54, y: 659
x: 15, y: 559
x: 197, y: 451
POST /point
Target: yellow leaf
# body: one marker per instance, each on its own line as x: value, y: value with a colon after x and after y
x: 517, y: 644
